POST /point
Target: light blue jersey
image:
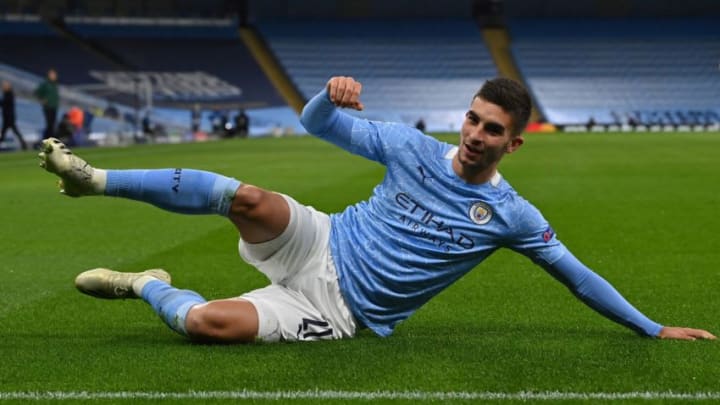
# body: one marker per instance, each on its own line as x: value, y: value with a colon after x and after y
x: 424, y: 227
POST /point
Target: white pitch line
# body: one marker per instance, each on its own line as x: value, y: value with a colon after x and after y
x: 359, y: 395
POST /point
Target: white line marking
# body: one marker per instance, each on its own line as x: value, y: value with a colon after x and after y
x: 360, y: 395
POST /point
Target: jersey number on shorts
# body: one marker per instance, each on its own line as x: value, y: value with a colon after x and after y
x: 312, y: 329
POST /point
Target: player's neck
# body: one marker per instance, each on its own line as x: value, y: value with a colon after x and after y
x: 474, y: 175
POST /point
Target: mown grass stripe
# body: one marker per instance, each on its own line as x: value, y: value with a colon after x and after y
x: 361, y: 395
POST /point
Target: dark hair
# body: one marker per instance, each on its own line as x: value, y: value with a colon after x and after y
x: 512, y: 97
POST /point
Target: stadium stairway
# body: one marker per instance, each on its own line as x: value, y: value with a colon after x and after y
x: 79, y: 47
x: 497, y: 41
x: 410, y: 69
x: 88, y: 44
x: 272, y: 68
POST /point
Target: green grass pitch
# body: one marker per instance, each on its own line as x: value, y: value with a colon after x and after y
x: 639, y: 209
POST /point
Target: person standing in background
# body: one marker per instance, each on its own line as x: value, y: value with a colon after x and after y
x: 195, y: 118
x: 242, y: 124
x: 8, y: 114
x: 48, y: 94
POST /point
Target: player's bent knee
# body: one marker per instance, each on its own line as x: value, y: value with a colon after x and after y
x: 247, y: 199
x: 223, y: 321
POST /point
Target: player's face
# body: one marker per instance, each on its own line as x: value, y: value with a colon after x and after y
x: 485, y: 137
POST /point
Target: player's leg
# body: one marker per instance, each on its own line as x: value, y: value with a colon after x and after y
x: 311, y: 309
x: 274, y: 313
x: 271, y: 314
x: 259, y: 215
x: 184, y: 311
x: 180, y: 190
x: 223, y: 321
x: 189, y: 314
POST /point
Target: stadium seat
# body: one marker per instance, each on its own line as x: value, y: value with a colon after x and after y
x: 409, y: 69
x: 614, y: 69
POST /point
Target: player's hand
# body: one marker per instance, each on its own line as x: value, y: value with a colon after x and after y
x: 345, y: 92
x: 672, y: 332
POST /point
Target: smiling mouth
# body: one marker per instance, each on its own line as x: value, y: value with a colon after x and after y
x: 472, y: 150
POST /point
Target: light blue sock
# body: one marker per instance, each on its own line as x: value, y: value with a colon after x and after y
x: 186, y: 191
x: 171, y: 303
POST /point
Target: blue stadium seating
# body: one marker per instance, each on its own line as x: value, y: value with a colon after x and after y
x: 214, y: 49
x: 30, y: 46
x: 656, y: 71
x: 34, y: 47
x: 409, y: 69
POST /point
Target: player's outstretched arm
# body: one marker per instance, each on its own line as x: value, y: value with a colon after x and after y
x: 598, y: 294
x: 673, y: 332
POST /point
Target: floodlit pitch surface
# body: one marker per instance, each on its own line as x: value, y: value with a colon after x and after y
x: 640, y: 209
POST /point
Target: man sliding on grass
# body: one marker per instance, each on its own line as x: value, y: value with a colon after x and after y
x: 439, y: 211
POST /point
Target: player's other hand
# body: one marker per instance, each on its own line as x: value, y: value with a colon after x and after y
x: 672, y: 332
x: 345, y: 92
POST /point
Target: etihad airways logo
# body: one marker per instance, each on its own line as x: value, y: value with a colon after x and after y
x: 421, y: 221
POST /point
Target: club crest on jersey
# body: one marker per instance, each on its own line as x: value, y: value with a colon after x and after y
x: 480, y: 213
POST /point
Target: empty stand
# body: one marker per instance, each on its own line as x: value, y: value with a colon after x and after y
x: 409, y: 69
x: 657, y: 71
x: 186, y: 48
x: 187, y: 61
x: 33, y: 46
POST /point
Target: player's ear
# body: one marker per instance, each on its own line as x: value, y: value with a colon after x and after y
x: 514, y: 144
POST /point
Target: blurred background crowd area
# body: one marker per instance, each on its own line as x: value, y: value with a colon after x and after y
x: 132, y: 71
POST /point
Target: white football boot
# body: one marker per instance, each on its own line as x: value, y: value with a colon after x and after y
x: 77, y: 177
x: 106, y: 283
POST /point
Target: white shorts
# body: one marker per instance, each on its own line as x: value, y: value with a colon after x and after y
x: 304, y: 300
